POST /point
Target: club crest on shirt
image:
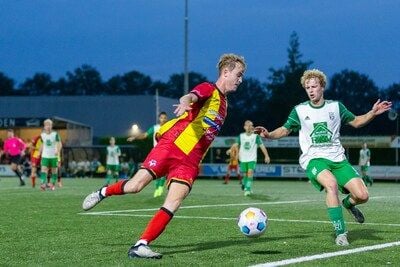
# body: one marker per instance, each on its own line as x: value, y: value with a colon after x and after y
x: 152, y: 162
x: 331, y: 116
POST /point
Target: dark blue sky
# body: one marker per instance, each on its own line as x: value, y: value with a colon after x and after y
x: 117, y: 36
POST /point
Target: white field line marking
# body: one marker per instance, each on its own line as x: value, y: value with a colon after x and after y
x: 206, y: 206
x: 230, y: 218
x: 327, y: 255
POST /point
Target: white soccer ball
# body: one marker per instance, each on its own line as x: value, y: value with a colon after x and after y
x: 252, y: 222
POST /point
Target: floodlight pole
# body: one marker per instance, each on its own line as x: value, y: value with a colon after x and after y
x: 397, y: 145
x: 157, y: 105
x: 186, y: 73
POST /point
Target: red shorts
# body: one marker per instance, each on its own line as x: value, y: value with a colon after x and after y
x: 35, y: 162
x: 166, y: 159
x: 233, y: 168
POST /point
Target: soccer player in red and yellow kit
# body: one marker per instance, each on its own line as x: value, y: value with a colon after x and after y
x: 233, y: 165
x: 35, y: 157
x: 181, y: 147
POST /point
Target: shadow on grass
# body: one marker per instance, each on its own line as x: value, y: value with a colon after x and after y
x: 262, y: 197
x: 186, y: 248
x: 365, y: 234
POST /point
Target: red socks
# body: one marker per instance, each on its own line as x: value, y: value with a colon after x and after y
x: 33, y: 179
x: 157, y: 224
x: 116, y: 189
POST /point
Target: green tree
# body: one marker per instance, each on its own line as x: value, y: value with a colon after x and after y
x: 85, y: 80
x: 130, y: 83
x: 39, y: 84
x: 244, y: 104
x: 392, y: 93
x: 6, y: 85
x: 284, y: 86
x: 356, y: 91
x: 175, y: 84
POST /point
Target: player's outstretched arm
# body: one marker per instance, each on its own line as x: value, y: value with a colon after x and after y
x: 378, y: 108
x: 275, y: 134
x: 184, y: 104
x: 140, y: 136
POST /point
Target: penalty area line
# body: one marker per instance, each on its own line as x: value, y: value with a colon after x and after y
x: 327, y: 255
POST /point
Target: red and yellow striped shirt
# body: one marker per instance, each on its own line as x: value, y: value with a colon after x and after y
x: 194, y: 131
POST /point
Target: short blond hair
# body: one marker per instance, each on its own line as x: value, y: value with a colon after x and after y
x: 48, y: 121
x: 229, y: 61
x: 314, y: 73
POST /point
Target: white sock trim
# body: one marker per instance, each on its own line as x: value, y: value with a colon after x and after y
x: 141, y: 242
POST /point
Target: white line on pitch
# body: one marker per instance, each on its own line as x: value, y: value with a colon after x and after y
x: 207, y: 206
x: 230, y: 218
x: 327, y: 255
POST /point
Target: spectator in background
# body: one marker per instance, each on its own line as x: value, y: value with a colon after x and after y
x: 218, y: 157
x: 94, y: 165
x: 72, y: 168
x: 124, y: 169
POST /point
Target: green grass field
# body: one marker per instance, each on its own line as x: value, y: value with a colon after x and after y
x: 50, y: 229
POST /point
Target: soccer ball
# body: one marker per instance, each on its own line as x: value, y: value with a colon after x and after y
x: 252, y: 222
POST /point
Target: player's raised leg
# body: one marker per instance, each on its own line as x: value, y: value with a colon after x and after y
x: 358, y: 195
x: 133, y: 185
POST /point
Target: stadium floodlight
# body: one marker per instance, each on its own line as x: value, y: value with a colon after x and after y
x: 135, y: 129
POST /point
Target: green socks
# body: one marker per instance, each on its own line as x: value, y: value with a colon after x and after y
x: 336, y: 217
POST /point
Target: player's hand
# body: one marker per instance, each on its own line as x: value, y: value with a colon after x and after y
x: 181, y: 108
x: 267, y: 159
x: 131, y: 138
x: 261, y: 131
x: 380, y: 107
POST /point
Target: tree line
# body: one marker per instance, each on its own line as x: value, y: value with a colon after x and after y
x: 267, y: 103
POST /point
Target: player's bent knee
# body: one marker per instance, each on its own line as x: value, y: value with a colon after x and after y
x: 362, y: 197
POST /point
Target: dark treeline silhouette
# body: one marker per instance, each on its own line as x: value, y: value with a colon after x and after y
x: 266, y: 103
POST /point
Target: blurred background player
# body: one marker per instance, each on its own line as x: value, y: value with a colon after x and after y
x: 248, y: 142
x: 14, y: 148
x: 50, y: 149
x: 323, y: 156
x: 35, y: 157
x: 364, y: 163
x: 59, y: 171
x: 233, y: 164
x: 152, y: 132
x: 113, y: 154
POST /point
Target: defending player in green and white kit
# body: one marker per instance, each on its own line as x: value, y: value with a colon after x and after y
x: 364, y: 162
x: 318, y: 122
x: 49, y: 150
x: 113, y: 154
x: 248, y: 142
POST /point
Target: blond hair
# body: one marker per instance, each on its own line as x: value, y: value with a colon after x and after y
x: 314, y: 73
x: 48, y: 121
x: 229, y: 61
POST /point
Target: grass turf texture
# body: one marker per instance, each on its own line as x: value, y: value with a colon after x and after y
x: 49, y: 228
